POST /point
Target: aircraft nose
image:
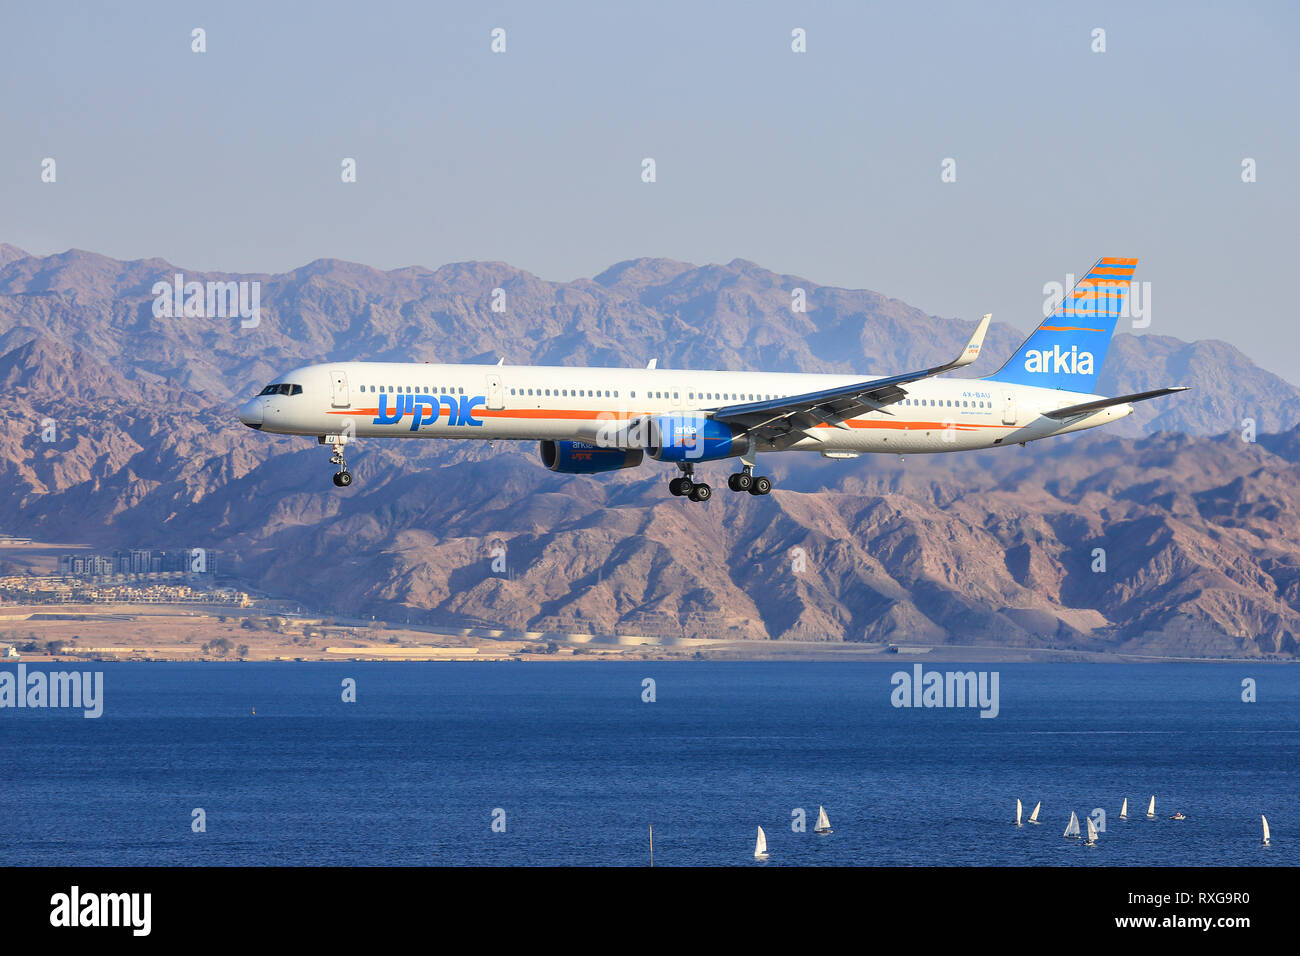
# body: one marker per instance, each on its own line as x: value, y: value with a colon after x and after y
x: 250, y: 413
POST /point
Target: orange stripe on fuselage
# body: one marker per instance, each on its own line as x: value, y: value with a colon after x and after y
x: 908, y: 425
x: 575, y: 414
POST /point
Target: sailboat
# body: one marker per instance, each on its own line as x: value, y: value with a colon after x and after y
x: 1019, y: 810
x: 1092, y: 833
x: 1072, y: 828
x: 1123, y: 811
x: 760, y: 846
x: 1265, y: 819
x: 1033, y: 817
x: 1151, y: 808
x: 823, y: 823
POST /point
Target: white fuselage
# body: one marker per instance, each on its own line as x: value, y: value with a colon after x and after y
x: 562, y: 403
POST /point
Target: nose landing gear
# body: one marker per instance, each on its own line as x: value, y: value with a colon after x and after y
x: 342, y: 477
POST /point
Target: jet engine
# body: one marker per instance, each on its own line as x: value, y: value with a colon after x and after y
x: 581, y: 458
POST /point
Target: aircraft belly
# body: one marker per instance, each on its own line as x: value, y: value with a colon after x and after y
x: 897, y: 438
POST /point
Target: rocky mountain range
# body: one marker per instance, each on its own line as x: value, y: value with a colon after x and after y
x: 1196, y: 526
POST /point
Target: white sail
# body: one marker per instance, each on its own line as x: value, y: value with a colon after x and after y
x: 1092, y: 832
x: 1123, y: 811
x: 823, y: 822
x: 1072, y: 828
x: 1019, y: 810
x: 1033, y: 817
x: 760, y: 847
x: 1265, y: 819
x: 1151, y: 808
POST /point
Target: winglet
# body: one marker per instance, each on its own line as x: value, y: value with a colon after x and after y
x: 973, y: 346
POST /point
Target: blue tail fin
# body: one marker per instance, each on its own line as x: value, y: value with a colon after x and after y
x: 1068, y: 347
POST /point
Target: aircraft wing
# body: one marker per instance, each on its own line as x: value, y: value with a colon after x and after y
x: 1087, y: 408
x: 777, y: 418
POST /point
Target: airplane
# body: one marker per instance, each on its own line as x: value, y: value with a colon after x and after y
x: 590, y: 420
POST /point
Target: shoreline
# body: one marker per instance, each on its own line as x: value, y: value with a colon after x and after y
x: 273, y: 631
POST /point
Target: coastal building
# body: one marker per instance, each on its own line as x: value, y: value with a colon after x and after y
x: 142, y: 562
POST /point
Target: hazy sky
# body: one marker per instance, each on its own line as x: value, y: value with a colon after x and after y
x: 825, y: 164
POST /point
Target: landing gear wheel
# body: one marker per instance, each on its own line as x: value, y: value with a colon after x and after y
x: 740, y: 481
x: 342, y: 477
x: 701, y: 492
x: 675, y: 486
x: 762, y: 486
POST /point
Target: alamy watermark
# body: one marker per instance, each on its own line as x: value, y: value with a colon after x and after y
x: 76, y: 908
x: 80, y: 689
x: 1134, y: 298
x: 948, y: 689
x: 208, y: 300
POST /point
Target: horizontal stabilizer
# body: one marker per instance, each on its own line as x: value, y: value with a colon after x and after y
x: 1087, y: 408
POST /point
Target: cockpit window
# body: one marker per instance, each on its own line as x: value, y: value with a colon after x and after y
x: 281, y: 389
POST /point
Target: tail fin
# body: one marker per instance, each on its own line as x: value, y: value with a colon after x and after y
x: 1067, y: 348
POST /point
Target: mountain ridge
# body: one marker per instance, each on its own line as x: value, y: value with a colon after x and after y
x: 1197, y: 525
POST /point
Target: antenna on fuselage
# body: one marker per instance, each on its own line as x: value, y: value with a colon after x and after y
x: 653, y: 363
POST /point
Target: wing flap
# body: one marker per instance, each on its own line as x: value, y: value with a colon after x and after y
x: 780, y: 415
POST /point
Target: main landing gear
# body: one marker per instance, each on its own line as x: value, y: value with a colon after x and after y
x: 743, y: 480
x: 686, y: 485
x: 343, y: 477
x: 746, y: 480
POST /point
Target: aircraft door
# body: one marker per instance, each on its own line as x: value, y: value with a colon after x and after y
x: 1008, y: 406
x: 339, y: 389
x: 495, y: 394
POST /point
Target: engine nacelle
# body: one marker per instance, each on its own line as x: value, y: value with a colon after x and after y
x: 692, y: 438
x: 581, y: 458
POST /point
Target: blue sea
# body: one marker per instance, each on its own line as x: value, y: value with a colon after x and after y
x: 577, y: 766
